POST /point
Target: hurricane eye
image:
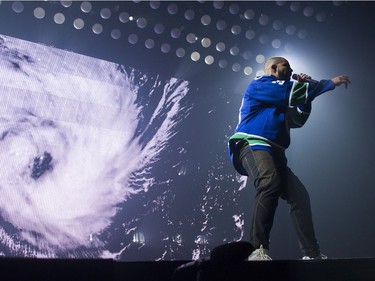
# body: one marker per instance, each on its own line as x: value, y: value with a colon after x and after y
x: 41, y: 165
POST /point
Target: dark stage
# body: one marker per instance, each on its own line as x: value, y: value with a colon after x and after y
x: 20, y: 269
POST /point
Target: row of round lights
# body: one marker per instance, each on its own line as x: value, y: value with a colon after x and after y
x: 141, y: 22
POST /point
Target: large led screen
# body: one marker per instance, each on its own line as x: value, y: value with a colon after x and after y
x: 80, y: 139
x: 101, y: 160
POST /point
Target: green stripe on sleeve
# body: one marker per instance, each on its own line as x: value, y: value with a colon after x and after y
x: 298, y: 94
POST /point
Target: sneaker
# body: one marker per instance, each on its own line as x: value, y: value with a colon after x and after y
x: 319, y: 257
x: 259, y: 255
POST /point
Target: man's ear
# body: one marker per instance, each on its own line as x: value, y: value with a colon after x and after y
x: 274, y: 67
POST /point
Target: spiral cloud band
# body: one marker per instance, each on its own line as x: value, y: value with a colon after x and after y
x: 78, y: 138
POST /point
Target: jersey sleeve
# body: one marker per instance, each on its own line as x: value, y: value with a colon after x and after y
x: 304, y: 92
x: 287, y: 93
x: 298, y: 115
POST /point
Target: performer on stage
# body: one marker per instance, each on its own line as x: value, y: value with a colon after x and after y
x: 271, y: 106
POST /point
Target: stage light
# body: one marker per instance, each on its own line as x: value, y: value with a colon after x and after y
x: 175, y: 33
x: 141, y: 22
x: 59, y: 18
x: 133, y: 39
x: 260, y: 58
x: 218, y: 4
x: 209, y: 60
x: 124, y: 17
x: 86, y: 7
x: 149, y: 43
x: 206, y: 20
x: 276, y: 43
x: 78, y: 23
x: 290, y: 29
x: 189, y: 14
x: 308, y: 11
x: 206, y: 42
x: 223, y: 63
x: 159, y: 28
x: 18, y: 7
x: 39, y: 13
x: 263, y: 19
x: 234, y: 51
x: 221, y: 25
x: 249, y: 14
x: 236, y: 67
x: 154, y: 4
x: 180, y: 52
x: 116, y: 34
x: 220, y: 47
x: 105, y: 13
x: 234, y: 9
x: 236, y: 29
x: 165, y: 48
x: 250, y: 34
x: 191, y: 38
x: 295, y: 6
x: 172, y: 9
x: 195, y: 56
x: 66, y: 4
x: 248, y: 70
x: 97, y: 28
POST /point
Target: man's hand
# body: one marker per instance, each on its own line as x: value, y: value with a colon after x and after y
x: 342, y: 79
x: 302, y: 77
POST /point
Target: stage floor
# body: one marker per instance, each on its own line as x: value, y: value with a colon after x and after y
x: 19, y: 269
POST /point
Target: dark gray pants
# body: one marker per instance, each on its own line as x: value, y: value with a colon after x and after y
x: 273, y: 179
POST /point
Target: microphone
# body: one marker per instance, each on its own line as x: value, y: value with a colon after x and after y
x: 295, y: 77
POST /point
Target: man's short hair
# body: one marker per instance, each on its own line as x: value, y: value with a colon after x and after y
x: 270, y: 62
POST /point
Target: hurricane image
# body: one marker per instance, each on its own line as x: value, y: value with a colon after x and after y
x: 79, y: 136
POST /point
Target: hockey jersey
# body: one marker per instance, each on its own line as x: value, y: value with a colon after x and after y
x: 269, y: 109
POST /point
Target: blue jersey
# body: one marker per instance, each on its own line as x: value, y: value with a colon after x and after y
x: 269, y: 108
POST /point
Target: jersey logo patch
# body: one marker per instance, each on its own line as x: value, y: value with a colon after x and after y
x: 280, y: 82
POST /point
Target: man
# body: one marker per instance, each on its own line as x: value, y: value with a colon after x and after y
x: 271, y: 106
